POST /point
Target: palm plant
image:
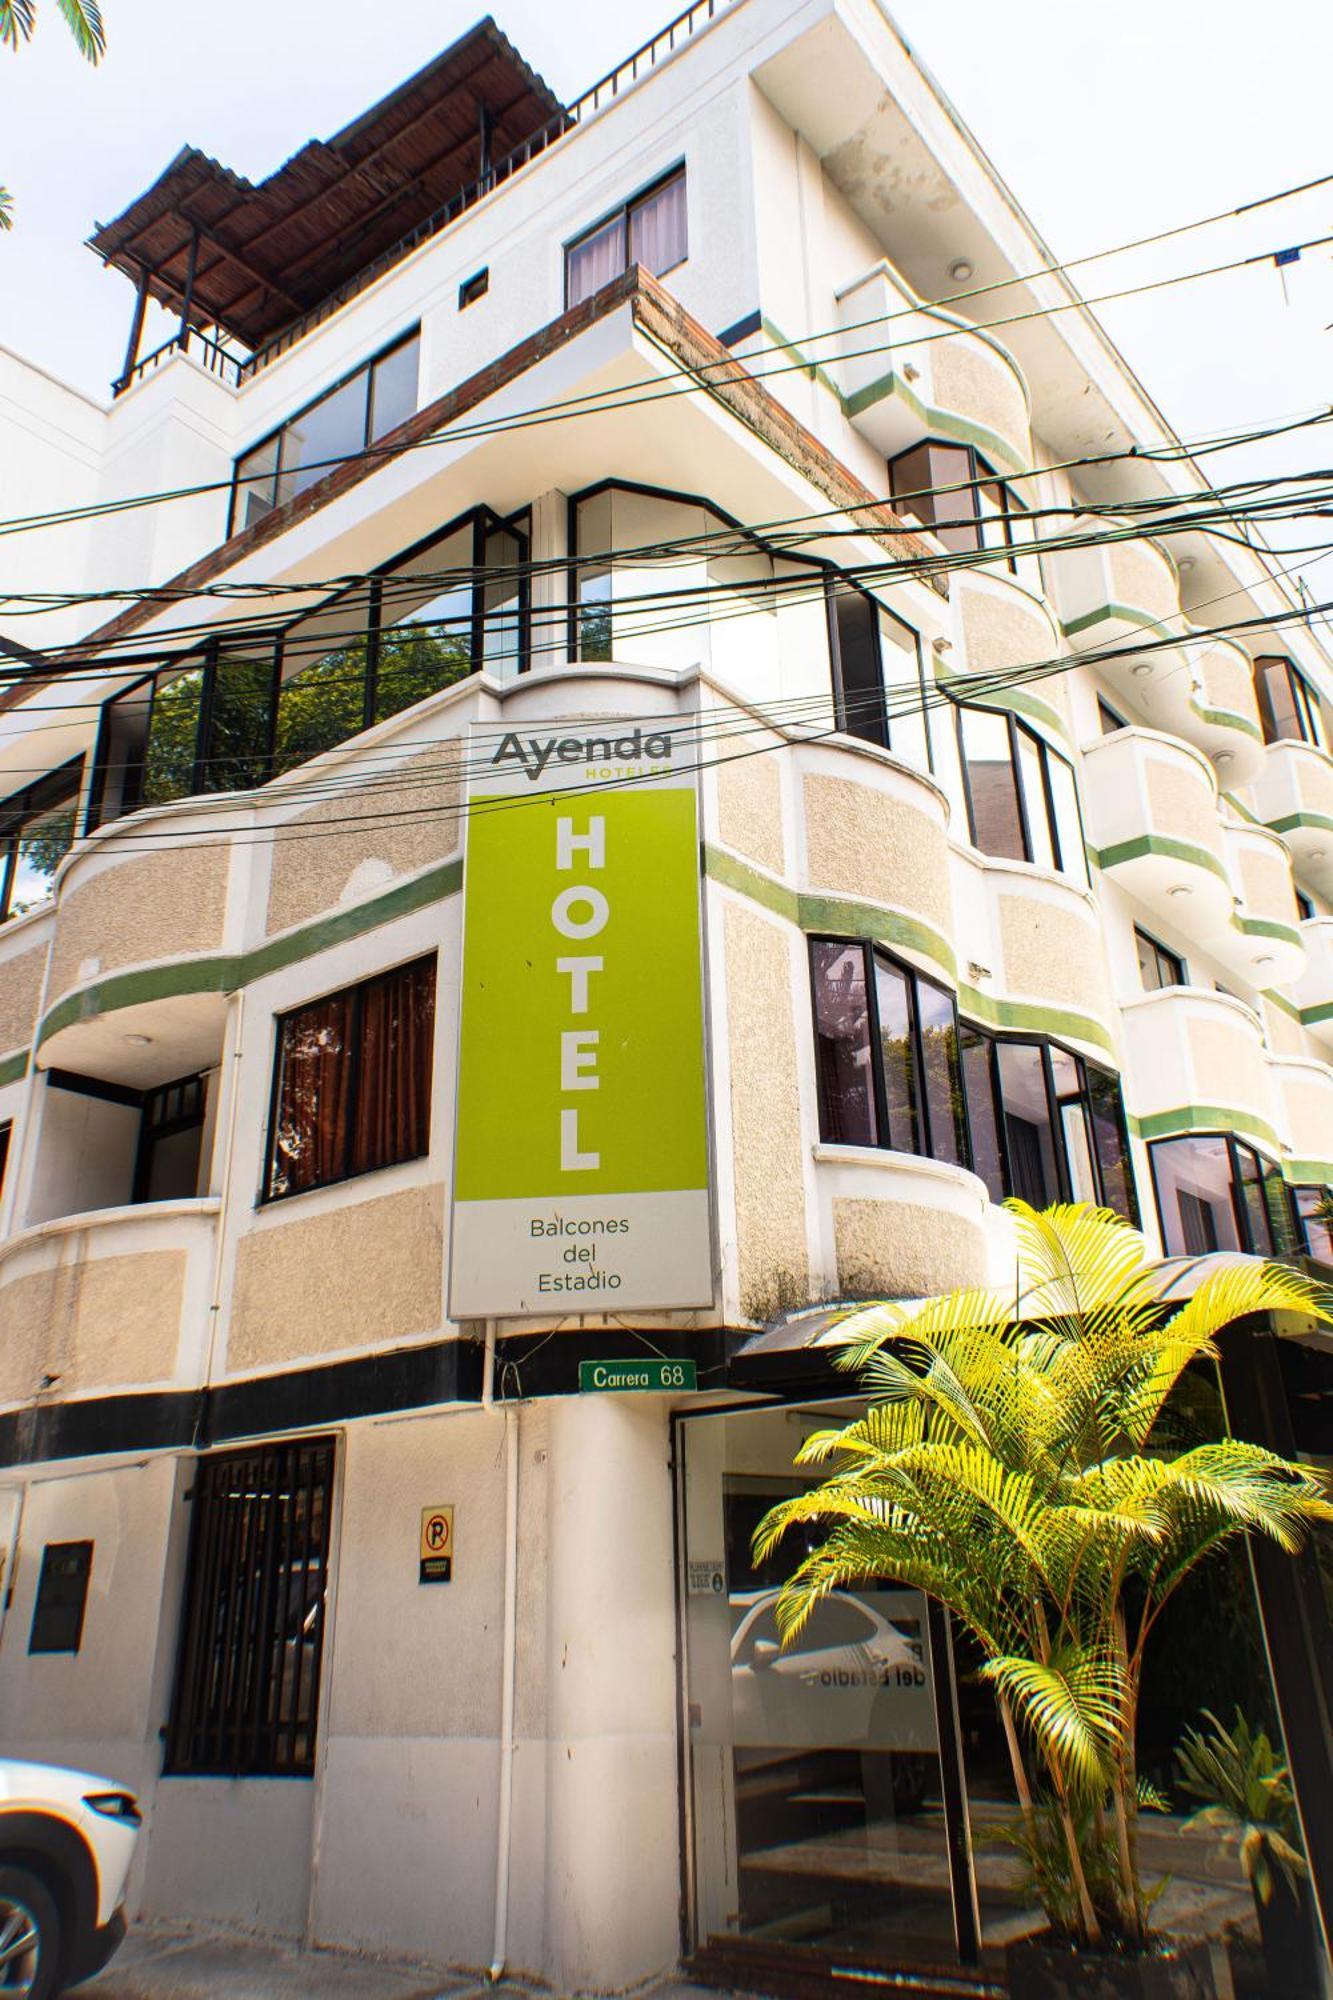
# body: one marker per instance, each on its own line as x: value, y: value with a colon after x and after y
x: 1245, y: 1791
x: 1008, y: 1466
x: 18, y: 19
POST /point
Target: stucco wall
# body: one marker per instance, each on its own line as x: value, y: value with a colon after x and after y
x: 1181, y: 804
x: 163, y: 905
x: 1054, y: 955
x: 864, y: 842
x: 1001, y: 629
x: 404, y: 823
x: 351, y: 1276
x: 1267, y: 889
x: 95, y: 1322
x: 969, y: 379
x: 749, y: 811
x: 20, y: 995
x: 772, y: 1262
x: 895, y: 1247
x: 1229, y: 1066
x: 1141, y: 578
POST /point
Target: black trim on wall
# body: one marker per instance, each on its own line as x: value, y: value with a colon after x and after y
x: 94, y: 1086
x: 742, y: 329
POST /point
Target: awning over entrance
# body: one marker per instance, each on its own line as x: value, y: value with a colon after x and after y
x: 250, y: 258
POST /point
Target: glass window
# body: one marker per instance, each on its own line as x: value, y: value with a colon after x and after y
x: 1288, y: 706
x: 843, y: 1059
x: 425, y: 636
x: 952, y: 490
x: 1194, y: 1195
x: 172, y: 750
x: 503, y: 595
x: 886, y: 1053
x: 246, y: 1697
x: 353, y: 1082
x: 1110, y: 723
x: 240, y: 715
x: 860, y: 677
x: 1072, y: 855
x: 322, y: 681
x: 1158, y: 967
x: 256, y: 489
x: 992, y: 783
x: 37, y: 830
x: 1314, y: 1216
x: 393, y: 388
x: 336, y: 426
x: 651, y: 231
x: 1032, y: 769
x: 1016, y: 1149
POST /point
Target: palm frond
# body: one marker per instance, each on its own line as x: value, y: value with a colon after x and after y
x: 1073, y: 1705
x: 83, y: 18
x: 6, y: 209
x: 18, y: 18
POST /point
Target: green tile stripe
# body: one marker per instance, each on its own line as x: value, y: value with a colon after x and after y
x: 843, y: 918
x: 1132, y: 613
x: 1159, y: 843
x: 941, y: 422
x: 227, y: 972
x: 14, y: 1068
x: 1204, y: 1118
x: 1321, y: 822
x: 1298, y: 1171
x: 1227, y: 718
x: 956, y: 680
x: 1268, y: 927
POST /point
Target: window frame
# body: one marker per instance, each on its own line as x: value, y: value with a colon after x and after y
x: 19, y: 809
x: 967, y: 492
x: 1045, y: 751
x: 153, y: 1130
x: 1160, y: 952
x: 1085, y: 1067
x: 836, y: 586
x: 623, y: 212
x: 209, y: 1615
x: 484, y: 522
x: 278, y: 432
x: 357, y: 989
x: 1302, y: 1220
x: 1304, y: 701
x: 921, y: 1114
x: 1269, y: 1175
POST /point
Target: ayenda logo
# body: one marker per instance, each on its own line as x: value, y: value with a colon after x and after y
x: 537, y: 752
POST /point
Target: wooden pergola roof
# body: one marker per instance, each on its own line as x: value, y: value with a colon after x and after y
x: 250, y: 259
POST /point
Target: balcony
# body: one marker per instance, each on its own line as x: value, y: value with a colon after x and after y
x: 873, y: 835
x: 1293, y: 794
x: 1313, y: 991
x: 1221, y: 716
x: 108, y: 1300
x: 1150, y: 804
x: 896, y: 1224
x: 900, y: 382
x: 1305, y: 1095
x: 1037, y: 939
x: 1264, y: 944
x: 1004, y: 627
x: 1116, y: 592
x: 1195, y: 1060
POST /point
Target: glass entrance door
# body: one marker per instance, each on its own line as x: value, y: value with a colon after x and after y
x: 818, y: 1795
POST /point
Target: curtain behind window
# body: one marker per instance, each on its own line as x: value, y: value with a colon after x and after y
x: 657, y: 238
x: 397, y: 1033
x: 310, y: 1141
x: 595, y: 261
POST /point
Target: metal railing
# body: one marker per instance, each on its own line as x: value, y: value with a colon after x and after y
x: 230, y: 367
x: 217, y: 359
x: 606, y: 90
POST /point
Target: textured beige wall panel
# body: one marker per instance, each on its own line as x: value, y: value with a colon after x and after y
x: 1003, y: 631
x: 1229, y: 1067
x: 163, y: 905
x: 310, y: 875
x: 353, y: 1276
x: 1314, y: 783
x: 860, y: 842
x: 1309, y: 1109
x: 1267, y: 889
x: 894, y: 1246
x: 1286, y: 1037
x: 749, y: 811
x: 1180, y: 804
x: 765, y: 1116
x: 20, y: 995
x: 97, y: 1323
x: 1054, y: 955
x: 970, y: 380
x: 1228, y: 683
x: 1140, y: 578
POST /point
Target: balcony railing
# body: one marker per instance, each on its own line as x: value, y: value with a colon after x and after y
x: 238, y: 370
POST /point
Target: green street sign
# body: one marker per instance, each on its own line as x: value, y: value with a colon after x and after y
x: 601, y: 1376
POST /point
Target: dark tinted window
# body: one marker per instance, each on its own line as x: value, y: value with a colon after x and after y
x: 886, y: 1052
x: 1158, y: 967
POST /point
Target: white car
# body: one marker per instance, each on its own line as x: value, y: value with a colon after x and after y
x: 856, y: 1676
x: 66, y: 1842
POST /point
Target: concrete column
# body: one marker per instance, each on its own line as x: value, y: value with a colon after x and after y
x: 613, y: 1864
x: 550, y: 587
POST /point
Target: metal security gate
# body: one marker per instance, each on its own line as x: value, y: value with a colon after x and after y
x: 247, y: 1679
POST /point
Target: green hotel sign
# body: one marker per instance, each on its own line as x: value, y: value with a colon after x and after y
x: 660, y: 1376
x: 581, y: 1147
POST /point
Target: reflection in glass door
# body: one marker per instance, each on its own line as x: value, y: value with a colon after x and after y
x: 818, y: 1801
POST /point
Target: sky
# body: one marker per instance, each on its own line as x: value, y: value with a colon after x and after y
x: 1109, y: 119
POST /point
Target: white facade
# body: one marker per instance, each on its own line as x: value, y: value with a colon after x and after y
x: 496, y: 1764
